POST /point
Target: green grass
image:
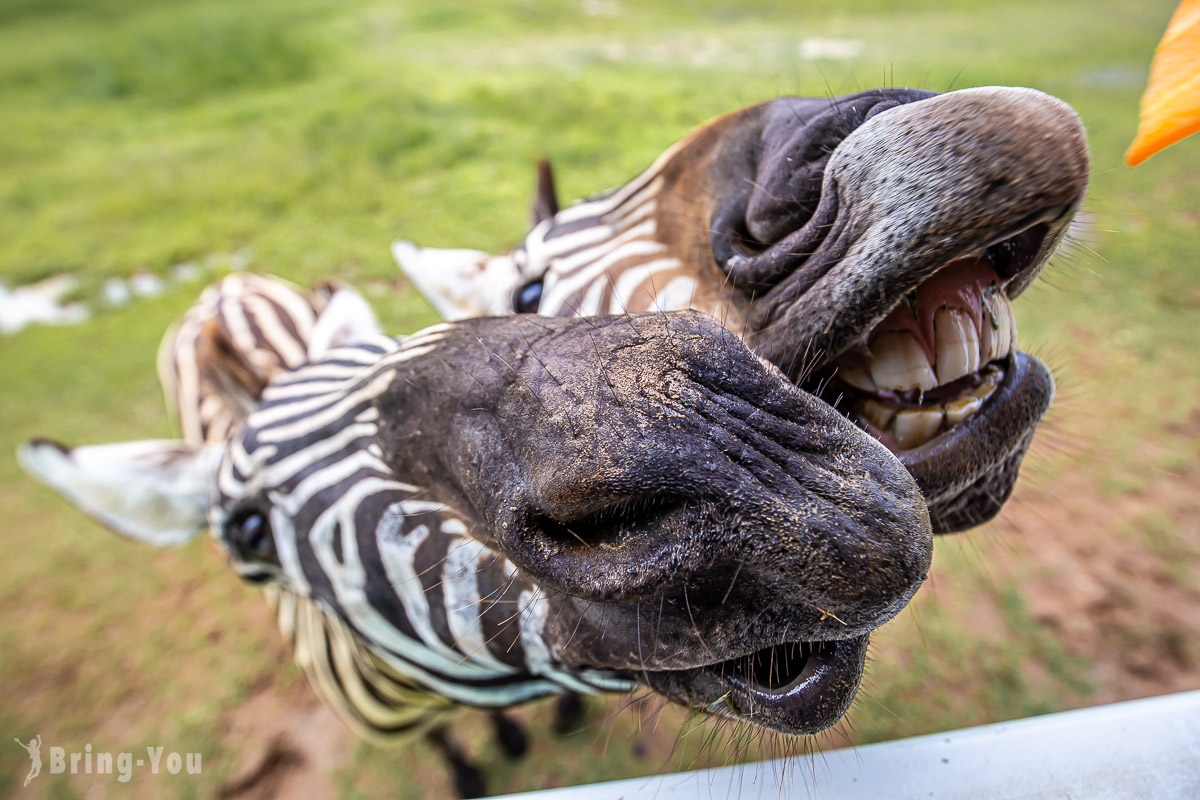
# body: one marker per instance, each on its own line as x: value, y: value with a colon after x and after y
x: 137, y: 136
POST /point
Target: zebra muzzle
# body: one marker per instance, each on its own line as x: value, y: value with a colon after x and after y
x: 719, y: 534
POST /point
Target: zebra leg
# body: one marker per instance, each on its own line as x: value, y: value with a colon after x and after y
x: 509, y: 734
x: 468, y: 780
x: 568, y: 713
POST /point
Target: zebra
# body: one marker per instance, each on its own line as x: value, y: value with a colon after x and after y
x: 868, y: 245
x: 496, y: 510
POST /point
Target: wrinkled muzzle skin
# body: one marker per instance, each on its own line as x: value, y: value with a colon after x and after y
x: 813, y: 226
x: 684, y: 507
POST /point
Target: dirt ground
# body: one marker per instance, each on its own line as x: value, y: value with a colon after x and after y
x: 1108, y: 584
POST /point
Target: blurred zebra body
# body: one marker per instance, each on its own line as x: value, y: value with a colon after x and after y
x: 259, y: 325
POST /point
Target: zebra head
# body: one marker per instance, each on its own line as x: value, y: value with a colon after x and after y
x: 506, y: 508
x: 868, y: 245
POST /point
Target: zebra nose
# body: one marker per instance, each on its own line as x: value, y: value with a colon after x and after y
x: 727, y: 467
x: 960, y: 171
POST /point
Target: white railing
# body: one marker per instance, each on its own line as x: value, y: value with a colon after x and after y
x: 1139, y: 749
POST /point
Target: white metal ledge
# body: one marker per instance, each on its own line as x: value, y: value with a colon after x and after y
x: 1139, y: 749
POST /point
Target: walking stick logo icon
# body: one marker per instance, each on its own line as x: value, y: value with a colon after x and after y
x: 34, y: 748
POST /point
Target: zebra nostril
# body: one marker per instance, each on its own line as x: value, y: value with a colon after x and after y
x: 630, y: 549
x: 609, y: 527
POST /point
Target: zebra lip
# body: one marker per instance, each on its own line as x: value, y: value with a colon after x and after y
x: 981, y: 454
x: 793, y: 687
x: 1020, y: 371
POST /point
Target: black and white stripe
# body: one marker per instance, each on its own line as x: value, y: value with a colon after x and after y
x: 454, y: 623
x: 339, y: 516
x: 606, y: 256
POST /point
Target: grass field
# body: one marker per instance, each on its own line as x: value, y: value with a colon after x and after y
x: 307, y: 135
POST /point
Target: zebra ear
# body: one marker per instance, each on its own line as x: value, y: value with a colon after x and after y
x: 157, y: 492
x: 460, y: 283
x: 346, y: 318
x: 545, y: 201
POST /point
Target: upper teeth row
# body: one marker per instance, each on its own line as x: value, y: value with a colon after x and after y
x: 899, y: 362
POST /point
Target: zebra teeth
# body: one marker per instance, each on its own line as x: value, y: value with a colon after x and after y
x: 956, y: 345
x: 960, y: 408
x: 913, y: 428
x: 899, y: 363
x: 998, y: 327
x: 934, y: 360
x: 990, y: 379
x: 946, y: 329
x: 853, y: 373
x: 878, y: 414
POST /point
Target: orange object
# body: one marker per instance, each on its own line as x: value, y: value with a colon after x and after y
x: 1171, y: 103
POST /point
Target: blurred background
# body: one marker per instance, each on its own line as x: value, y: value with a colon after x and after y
x: 146, y: 148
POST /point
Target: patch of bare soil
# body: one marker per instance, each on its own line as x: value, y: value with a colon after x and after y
x: 1115, y: 577
x: 288, y: 744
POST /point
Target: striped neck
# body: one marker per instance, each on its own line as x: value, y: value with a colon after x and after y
x: 627, y: 251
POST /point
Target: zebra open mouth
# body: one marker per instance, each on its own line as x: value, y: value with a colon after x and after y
x: 940, y: 380
x: 891, y: 276
x: 933, y: 361
x: 937, y: 358
x: 793, y: 687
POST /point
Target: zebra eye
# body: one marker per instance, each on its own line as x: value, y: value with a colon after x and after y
x: 528, y: 297
x: 250, y: 535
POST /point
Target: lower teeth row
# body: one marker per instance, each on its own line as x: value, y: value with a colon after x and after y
x: 916, y: 426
